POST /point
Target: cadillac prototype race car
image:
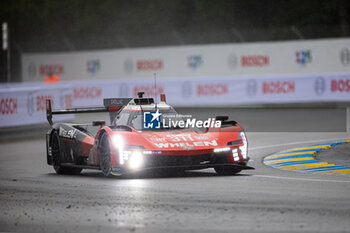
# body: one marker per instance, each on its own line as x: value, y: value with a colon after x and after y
x: 131, y: 144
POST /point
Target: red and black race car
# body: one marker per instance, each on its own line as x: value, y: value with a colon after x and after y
x: 131, y: 144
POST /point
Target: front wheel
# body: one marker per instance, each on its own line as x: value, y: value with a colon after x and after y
x: 105, y: 156
x: 226, y: 170
x: 56, y: 157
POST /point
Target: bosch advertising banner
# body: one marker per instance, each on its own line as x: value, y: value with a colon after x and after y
x: 27, y: 105
x: 217, y: 60
x: 24, y: 103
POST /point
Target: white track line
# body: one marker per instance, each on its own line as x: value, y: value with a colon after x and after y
x: 302, y: 179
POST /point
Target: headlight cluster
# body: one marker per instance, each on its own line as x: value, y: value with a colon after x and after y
x: 119, y: 143
x: 244, y: 147
x: 134, y: 159
x: 235, y: 154
x: 223, y: 149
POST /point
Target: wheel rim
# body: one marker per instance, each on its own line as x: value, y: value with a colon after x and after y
x: 105, y: 158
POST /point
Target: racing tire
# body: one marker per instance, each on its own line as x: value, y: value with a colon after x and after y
x: 227, y: 170
x: 105, y: 156
x: 56, y: 157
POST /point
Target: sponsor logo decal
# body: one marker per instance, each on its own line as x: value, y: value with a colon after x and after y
x: 87, y: 92
x: 149, y: 65
x: 67, y: 133
x: 8, y: 106
x: 340, y: 85
x: 68, y: 100
x: 41, y: 102
x: 320, y: 86
x: 194, y: 61
x: 212, y: 89
x: 93, y: 66
x: 183, y: 141
x: 345, y: 56
x: 303, y: 57
x: 278, y: 87
x: 255, y: 61
x: 55, y: 68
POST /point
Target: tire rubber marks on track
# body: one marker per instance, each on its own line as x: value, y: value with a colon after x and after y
x: 302, y: 160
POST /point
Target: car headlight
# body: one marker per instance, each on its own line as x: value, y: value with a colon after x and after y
x: 119, y: 143
x: 244, y: 147
x: 235, y: 155
x: 223, y: 149
x: 135, y: 160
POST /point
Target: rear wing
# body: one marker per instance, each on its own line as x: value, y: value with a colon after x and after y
x: 113, y: 106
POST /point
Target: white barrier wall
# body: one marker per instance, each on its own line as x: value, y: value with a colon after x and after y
x: 24, y: 103
x: 208, y: 75
x: 233, y: 60
x: 222, y: 91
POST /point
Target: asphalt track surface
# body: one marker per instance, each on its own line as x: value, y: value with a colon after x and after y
x: 33, y: 198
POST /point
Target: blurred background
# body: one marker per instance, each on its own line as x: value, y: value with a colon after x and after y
x: 80, y: 25
x: 206, y: 54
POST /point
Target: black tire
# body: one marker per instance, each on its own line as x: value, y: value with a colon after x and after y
x: 56, y: 157
x: 227, y: 170
x: 105, y: 156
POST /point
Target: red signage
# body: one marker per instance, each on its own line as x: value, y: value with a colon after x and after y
x: 41, y: 102
x: 255, y: 60
x: 148, y: 89
x: 148, y: 65
x: 56, y: 69
x: 341, y: 85
x: 278, y: 87
x: 212, y: 89
x: 8, y: 106
x: 68, y: 100
x: 87, y: 92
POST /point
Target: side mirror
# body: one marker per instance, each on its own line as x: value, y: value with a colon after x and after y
x: 98, y: 123
x: 221, y: 118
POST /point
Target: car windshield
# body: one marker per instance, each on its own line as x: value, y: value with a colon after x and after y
x: 135, y: 119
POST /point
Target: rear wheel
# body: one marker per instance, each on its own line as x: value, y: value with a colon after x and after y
x: 105, y: 156
x: 56, y: 157
x: 227, y: 170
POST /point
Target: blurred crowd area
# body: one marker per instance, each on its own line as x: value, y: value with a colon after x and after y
x: 78, y: 25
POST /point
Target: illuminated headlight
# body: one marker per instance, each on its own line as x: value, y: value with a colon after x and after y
x: 235, y: 155
x: 118, y: 142
x: 135, y: 160
x: 223, y: 149
x: 244, y: 147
